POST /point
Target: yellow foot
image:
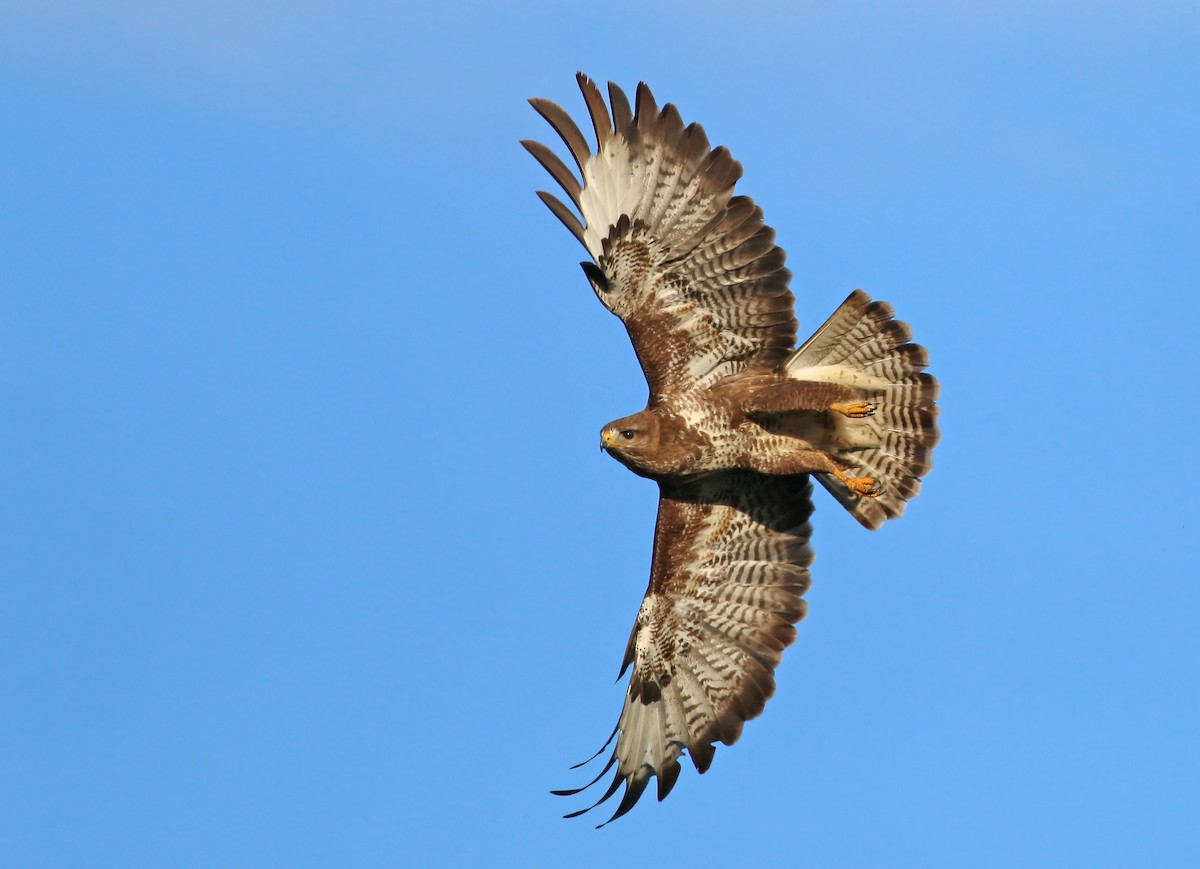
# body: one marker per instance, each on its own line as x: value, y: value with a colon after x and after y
x: 867, y: 487
x: 855, y: 410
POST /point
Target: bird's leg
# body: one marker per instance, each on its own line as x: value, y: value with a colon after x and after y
x: 854, y: 409
x: 867, y: 487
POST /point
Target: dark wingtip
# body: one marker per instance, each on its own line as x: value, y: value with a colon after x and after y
x: 612, y: 789
x: 599, y: 751
x: 599, y: 281
x: 570, y: 792
x: 635, y: 786
x: 667, y: 779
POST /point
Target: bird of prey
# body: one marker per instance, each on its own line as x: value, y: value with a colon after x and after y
x: 738, y: 421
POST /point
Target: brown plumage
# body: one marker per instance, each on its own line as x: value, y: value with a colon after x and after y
x: 737, y: 419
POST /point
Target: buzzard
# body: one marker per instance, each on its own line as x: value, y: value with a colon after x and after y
x: 738, y: 421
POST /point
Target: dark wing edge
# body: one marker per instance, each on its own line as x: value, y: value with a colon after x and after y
x: 729, y: 571
x: 656, y: 183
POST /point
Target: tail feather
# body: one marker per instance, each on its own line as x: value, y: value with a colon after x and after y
x: 861, y: 346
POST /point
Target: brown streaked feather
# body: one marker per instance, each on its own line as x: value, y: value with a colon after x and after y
x: 731, y: 563
x: 695, y: 146
x: 776, y: 395
x: 569, y: 220
x: 596, y: 109
x: 565, y: 127
x: 647, y: 109
x: 670, y: 129
x: 557, y: 168
x: 692, y: 269
x: 622, y: 115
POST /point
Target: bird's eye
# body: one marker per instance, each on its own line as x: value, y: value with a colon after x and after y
x: 627, y: 434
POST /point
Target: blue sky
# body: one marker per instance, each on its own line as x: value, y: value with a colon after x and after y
x: 310, y: 557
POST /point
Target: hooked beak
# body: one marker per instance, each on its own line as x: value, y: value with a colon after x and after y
x: 607, y: 439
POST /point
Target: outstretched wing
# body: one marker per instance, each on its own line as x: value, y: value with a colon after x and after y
x: 689, y: 268
x: 730, y: 567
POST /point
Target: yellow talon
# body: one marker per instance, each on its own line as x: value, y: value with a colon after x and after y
x: 867, y: 487
x: 855, y: 410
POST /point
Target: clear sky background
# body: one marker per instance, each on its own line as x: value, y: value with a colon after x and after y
x: 309, y: 556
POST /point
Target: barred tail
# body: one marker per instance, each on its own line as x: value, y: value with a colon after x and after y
x: 862, y: 347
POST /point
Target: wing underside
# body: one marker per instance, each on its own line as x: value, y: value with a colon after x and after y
x: 730, y: 567
x: 691, y: 269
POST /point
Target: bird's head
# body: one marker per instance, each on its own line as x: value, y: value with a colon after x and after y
x: 631, y: 440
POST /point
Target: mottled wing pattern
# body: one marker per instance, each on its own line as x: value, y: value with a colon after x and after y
x: 689, y: 268
x: 730, y: 566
